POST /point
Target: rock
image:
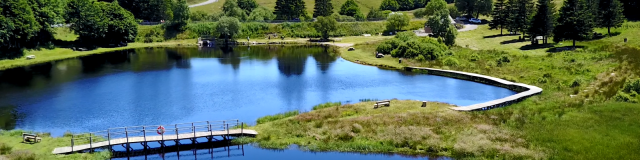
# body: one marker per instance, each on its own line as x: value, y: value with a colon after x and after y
x: 31, y: 56
x: 351, y: 49
x: 379, y: 55
x: 572, y: 96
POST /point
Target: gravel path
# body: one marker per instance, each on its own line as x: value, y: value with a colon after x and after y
x: 203, y: 3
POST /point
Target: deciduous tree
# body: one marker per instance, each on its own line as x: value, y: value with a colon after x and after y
x: 391, y: 5
x: 247, y: 5
x: 405, y: 5
x: 261, y: 14
x: 324, y: 25
x: 435, y: 6
x: 351, y: 8
x: 396, y: 21
x: 180, y: 14
x: 228, y: 27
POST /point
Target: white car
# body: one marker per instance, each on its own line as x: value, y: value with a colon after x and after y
x: 475, y: 20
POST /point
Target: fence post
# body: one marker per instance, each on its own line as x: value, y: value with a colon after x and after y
x: 72, y: 143
x: 144, y: 135
x: 126, y: 133
x: 242, y: 129
x: 228, y: 132
x: 90, y: 143
x: 177, y: 133
x: 109, y: 138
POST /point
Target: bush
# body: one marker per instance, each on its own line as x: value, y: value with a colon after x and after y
x: 474, y: 57
x: 624, y: 97
x: 375, y: 14
x: 542, y: 80
x: 420, y: 13
x: 385, y: 48
x: 343, y: 18
x: 406, y: 36
x: 576, y: 83
x: 5, y: 148
x: 450, y: 61
x: 453, y: 11
x: 279, y: 116
x: 199, y: 16
x: 327, y: 105
x: 420, y: 58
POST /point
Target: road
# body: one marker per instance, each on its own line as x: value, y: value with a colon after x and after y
x: 203, y: 3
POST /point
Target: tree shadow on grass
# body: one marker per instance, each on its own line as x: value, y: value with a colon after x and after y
x: 171, y: 33
x: 562, y: 49
x: 512, y: 41
x: 536, y: 46
x: 499, y: 35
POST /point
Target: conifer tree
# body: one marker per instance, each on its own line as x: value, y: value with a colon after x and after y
x: 323, y: 8
x: 289, y: 9
x: 519, y: 15
x: 542, y: 23
x: 500, y: 16
x: 573, y: 23
x: 611, y: 14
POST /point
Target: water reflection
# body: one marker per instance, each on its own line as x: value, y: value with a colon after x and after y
x: 8, y: 117
x: 172, y: 85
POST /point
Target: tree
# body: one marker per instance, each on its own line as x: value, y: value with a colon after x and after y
x: 478, y: 7
x: 351, y: 8
x: 610, y: 14
x: 247, y: 5
x: 572, y: 23
x: 391, y: 5
x: 228, y: 27
x: 419, y: 13
x: 450, y: 36
x: 152, y: 10
x: 396, y: 21
x: 520, y: 12
x: 323, y: 8
x: 121, y: 24
x: 405, y: 5
x: 324, y: 25
x: 439, y: 22
x: 17, y: 26
x: 542, y: 23
x: 47, y: 13
x: 231, y: 9
x: 375, y: 14
x: 453, y: 11
x: 499, y: 15
x: 87, y: 20
x: 180, y: 15
x: 289, y: 9
x: 419, y: 3
x: 435, y: 6
x: 261, y: 14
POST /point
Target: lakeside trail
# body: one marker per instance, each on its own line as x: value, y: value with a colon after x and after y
x: 203, y: 3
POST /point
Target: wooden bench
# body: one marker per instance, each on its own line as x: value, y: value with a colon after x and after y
x: 382, y: 103
x: 27, y: 137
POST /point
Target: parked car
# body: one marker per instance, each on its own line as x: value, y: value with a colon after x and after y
x: 475, y: 20
x: 462, y: 18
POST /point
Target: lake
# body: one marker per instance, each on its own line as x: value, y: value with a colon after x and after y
x: 174, y: 85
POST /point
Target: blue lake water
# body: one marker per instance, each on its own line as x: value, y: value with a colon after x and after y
x: 176, y: 85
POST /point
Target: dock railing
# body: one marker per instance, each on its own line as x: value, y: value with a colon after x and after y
x: 154, y: 130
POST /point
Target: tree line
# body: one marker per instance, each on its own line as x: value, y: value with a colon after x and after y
x: 30, y: 23
x: 575, y: 20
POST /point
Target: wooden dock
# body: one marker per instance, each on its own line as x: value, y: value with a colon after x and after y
x: 524, y: 90
x: 125, y: 136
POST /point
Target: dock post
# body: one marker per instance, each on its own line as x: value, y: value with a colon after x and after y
x: 72, y: 143
x: 144, y: 136
x: 90, y: 143
x: 193, y: 128
x: 242, y: 129
x: 109, y: 139
x: 126, y: 133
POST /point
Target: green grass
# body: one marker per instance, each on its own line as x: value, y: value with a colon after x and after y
x: 327, y: 105
x: 587, y: 125
x: 270, y: 118
x: 404, y: 127
x: 271, y: 4
x: 42, y: 150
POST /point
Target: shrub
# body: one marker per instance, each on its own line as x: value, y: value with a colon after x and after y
x: 420, y: 58
x: 376, y: 14
x: 474, y: 57
x: 542, y: 80
x: 453, y: 11
x: 5, y: 148
x: 576, y: 82
x: 624, y: 97
x: 450, y: 61
x: 199, y: 16
x: 406, y: 36
x: 420, y: 13
x: 384, y: 48
x: 279, y: 116
x: 343, y: 18
x: 326, y: 105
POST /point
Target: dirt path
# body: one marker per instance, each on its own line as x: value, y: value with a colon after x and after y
x: 203, y: 3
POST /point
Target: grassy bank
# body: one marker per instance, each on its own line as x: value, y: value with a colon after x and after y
x: 364, y: 5
x: 575, y: 117
x: 11, y: 147
x: 404, y: 127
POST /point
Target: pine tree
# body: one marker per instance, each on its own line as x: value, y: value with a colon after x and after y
x: 289, y: 9
x: 323, y: 8
x: 573, y: 23
x: 542, y: 23
x: 519, y: 15
x: 500, y: 15
x: 610, y: 14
